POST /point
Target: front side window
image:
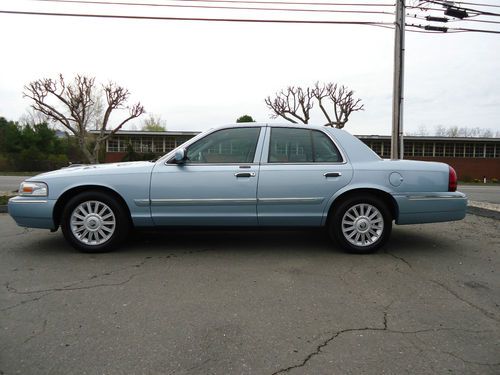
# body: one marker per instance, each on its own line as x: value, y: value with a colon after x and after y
x: 291, y: 145
x: 225, y: 146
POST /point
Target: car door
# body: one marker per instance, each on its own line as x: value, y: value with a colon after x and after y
x: 300, y: 171
x: 215, y: 185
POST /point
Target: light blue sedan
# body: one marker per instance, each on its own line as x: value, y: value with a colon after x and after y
x: 253, y: 175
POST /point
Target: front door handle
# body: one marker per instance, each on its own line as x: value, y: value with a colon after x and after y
x: 244, y: 174
x: 332, y: 174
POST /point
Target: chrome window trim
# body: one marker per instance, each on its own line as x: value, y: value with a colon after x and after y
x: 202, y: 201
x: 227, y: 201
x: 306, y: 200
x: 244, y: 165
x: 431, y: 197
x: 28, y: 201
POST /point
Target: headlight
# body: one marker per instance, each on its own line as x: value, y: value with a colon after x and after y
x: 33, y: 189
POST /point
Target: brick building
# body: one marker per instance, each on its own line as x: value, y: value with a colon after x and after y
x: 472, y: 158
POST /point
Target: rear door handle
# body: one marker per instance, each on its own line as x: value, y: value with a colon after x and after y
x: 332, y: 174
x: 244, y: 174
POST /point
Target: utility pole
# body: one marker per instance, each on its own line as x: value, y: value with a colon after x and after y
x: 397, y: 148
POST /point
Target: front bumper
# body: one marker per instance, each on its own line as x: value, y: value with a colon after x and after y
x: 418, y: 208
x: 32, y: 212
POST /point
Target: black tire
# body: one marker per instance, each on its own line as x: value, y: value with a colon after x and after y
x: 373, y: 233
x: 98, y: 200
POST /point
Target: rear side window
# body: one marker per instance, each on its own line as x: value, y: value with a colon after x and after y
x: 292, y: 145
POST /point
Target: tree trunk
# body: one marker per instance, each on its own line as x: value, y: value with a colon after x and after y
x: 97, y: 148
x: 83, y: 146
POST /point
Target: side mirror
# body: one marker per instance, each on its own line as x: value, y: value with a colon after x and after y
x: 180, y: 156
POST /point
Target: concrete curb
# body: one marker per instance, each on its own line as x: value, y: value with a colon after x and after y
x: 485, y: 209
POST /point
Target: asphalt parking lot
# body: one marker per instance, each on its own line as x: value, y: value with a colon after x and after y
x: 252, y: 303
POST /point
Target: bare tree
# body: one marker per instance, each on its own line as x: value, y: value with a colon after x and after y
x: 453, y: 131
x: 78, y: 107
x: 31, y: 117
x: 154, y: 123
x: 293, y: 104
x: 335, y: 102
x: 342, y: 103
x: 440, y: 131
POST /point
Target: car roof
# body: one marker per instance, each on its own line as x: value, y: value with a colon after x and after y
x: 284, y: 125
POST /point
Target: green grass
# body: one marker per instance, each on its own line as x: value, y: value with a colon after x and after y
x: 4, y: 199
x: 3, y: 173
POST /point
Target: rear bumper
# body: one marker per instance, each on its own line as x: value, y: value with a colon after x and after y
x: 418, y: 208
x: 32, y: 212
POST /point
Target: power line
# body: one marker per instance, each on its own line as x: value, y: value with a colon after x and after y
x: 450, y: 20
x: 476, y: 30
x: 453, y: 29
x: 214, y: 7
x: 242, y: 20
x: 286, y: 3
x: 448, y: 5
x: 479, y: 4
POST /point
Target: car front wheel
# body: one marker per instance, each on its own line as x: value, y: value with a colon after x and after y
x: 94, y: 221
x: 361, y: 225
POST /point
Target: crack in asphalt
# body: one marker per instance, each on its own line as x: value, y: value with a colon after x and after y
x: 72, y: 286
x: 399, y: 258
x: 384, y: 328
x: 24, y: 302
x: 483, y: 311
x: 471, y: 362
x: 325, y: 343
x: 35, y: 334
x: 69, y: 288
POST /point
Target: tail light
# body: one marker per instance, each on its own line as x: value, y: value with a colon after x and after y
x: 452, y: 180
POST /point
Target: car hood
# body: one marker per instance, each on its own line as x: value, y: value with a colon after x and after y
x: 97, y: 169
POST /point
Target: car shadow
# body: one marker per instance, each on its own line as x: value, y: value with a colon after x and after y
x: 404, y: 240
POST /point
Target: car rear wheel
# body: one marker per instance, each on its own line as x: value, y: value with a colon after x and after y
x: 94, y: 221
x: 361, y: 225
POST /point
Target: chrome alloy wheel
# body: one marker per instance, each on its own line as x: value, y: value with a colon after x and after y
x: 362, y: 224
x: 93, y: 222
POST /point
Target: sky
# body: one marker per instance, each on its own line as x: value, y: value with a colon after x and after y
x: 197, y: 75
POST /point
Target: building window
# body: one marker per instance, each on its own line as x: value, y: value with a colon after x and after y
x: 386, y: 149
x: 459, y: 150
x: 418, y: 150
x: 169, y: 144
x: 376, y: 146
x: 113, y: 145
x: 408, y: 149
x: 490, y: 151
x: 438, y: 149
x: 449, y: 149
x: 181, y: 139
x: 428, y: 149
x: 479, y: 150
x: 469, y: 150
